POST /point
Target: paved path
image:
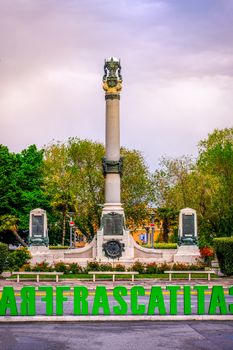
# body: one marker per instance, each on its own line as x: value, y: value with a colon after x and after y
x: 117, y: 336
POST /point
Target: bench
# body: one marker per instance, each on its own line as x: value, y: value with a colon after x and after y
x: 210, y: 272
x: 38, y: 274
x: 113, y: 273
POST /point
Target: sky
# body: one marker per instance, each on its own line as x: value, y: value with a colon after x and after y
x: 177, y: 68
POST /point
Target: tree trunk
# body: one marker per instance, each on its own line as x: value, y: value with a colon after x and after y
x: 17, y: 236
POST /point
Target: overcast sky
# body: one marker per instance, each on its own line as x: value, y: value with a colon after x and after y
x: 177, y: 67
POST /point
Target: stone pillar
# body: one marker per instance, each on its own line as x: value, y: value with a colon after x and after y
x: 112, y: 163
x: 114, y: 242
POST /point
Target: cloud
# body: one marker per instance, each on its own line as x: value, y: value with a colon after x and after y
x: 177, y: 60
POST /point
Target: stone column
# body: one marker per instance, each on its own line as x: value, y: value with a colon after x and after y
x: 112, y: 163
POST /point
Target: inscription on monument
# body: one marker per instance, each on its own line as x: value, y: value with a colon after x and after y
x: 188, y: 225
x: 38, y: 230
x: 38, y: 225
x: 113, y: 224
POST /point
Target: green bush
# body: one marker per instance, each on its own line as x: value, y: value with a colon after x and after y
x: 119, y: 267
x: 18, y: 258
x: 58, y: 247
x: 92, y: 266
x: 151, y: 268
x: 41, y: 267
x: 61, y: 267
x: 74, y: 268
x: 162, y: 246
x: 138, y: 267
x: 3, y: 255
x: 224, y: 250
x: 105, y: 267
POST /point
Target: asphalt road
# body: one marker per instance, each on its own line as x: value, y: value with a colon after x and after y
x: 117, y: 336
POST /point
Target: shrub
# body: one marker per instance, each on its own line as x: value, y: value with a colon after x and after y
x: 191, y: 267
x: 3, y: 255
x: 163, y: 267
x: 58, y: 247
x: 92, y: 266
x: 74, y: 268
x: 61, y: 267
x: 26, y: 267
x: 18, y: 258
x: 138, y: 267
x: 151, y: 268
x: 162, y: 246
x: 119, y: 267
x: 105, y: 267
x: 42, y: 267
x: 224, y: 250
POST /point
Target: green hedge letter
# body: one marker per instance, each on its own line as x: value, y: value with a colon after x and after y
x: 118, y: 293
x: 187, y: 300
x: 231, y: 305
x: 28, y: 301
x: 60, y: 298
x: 156, y: 300
x: 137, y: 309
x: 80, y: 300
x: 217, y: 301
x: 48, y: 299
x: 173, y: 299
x: 8, y: 302
x: 200, y: 299
x: 100, y: 301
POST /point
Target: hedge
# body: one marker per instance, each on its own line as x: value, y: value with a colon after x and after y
x: 224, y: 250
x: 3, y: 255
x: 162, y: 246
x: 59, y: 247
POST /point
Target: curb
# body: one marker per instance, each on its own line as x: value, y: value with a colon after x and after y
x: 103, y: 318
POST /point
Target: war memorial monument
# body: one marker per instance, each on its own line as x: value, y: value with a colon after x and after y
x: 113, y: 241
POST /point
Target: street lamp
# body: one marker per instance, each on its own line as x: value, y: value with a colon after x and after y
x: 147, y: 228
x: 71, y: 223
x: 152, y: 229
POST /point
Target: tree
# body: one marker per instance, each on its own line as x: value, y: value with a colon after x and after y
x: 21, y: 182
x: 74, y: 181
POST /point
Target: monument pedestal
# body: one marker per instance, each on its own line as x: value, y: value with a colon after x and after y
x: 187, y: 254
x: 124, y: 240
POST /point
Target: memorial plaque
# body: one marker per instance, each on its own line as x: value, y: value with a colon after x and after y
x: 113, y: 224
x: 38, y: 225
x: 188, y: 225
x: 38, y: 229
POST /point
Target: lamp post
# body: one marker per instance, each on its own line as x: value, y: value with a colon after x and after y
x: 71, y: 223
x: 147, y: 228
x: 152, y: 229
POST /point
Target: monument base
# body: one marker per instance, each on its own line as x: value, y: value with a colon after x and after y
x: 40, y: 254
x: 113, y: 207
x: 187, y: 254
x: 124, y: 240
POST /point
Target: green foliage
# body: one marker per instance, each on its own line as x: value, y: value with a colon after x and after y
x: 74, y: 269
x: 61, y: 267
x: 18, y: 258
x: 119, y: 267
x: 138, y: 267
x: 163, y: 246
x: 204, y: 185
x: 42, y: 267
x: 21, y: 182
x: 57, y: 247
x: 224, y: 251
x: 3, y: 256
